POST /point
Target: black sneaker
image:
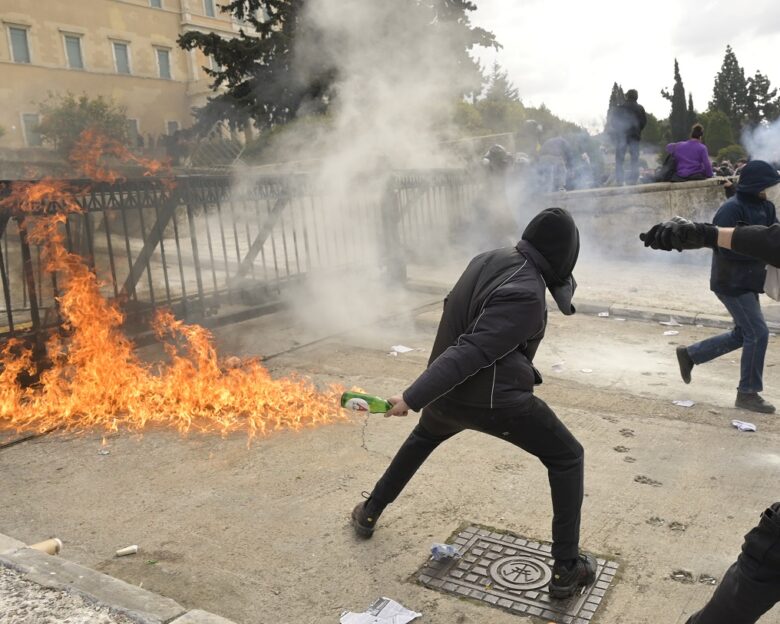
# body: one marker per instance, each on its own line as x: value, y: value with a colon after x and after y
x: 565, y: 582
x: 686, y: 364
x: 752, y: 401
x: 364, y: 517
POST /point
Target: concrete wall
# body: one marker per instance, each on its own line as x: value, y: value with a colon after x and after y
x: 610, y: 216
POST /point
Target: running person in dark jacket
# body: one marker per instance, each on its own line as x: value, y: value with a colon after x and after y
x: 480, y: 376
x: 737, y: 280
x: 751, y: 586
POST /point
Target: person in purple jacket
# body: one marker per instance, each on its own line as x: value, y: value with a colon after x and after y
x: 691, y: 156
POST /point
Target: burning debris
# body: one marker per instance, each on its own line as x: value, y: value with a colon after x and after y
x: 94, y: 380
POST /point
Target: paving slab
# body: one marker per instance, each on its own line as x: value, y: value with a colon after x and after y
x: 57, y: 573
x: 196, y: 616
x: 9, y: 544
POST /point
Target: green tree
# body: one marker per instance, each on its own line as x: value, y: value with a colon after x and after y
x: 763, y: 105
x: 732, y: 153
x: 65, y: 117
x: 616, y: 98
x: 730, y: 92
x: 691, y: 112
x: 678, y: 117
x: 257, y: 76
x: 654, y: 132
x: 717, y: 130
x: 500, y: 88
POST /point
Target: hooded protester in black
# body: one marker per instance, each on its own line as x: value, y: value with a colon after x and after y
x: 495, y: 317
x: 480, y: 376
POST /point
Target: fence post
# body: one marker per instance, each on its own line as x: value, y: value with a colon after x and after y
x: 394, y: 258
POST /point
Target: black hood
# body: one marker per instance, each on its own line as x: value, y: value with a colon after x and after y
x: 757, y: 176
x: 554, y: 235
x: 553, y: 243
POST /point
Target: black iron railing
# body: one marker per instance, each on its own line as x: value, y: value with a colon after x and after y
x: 196, y: 243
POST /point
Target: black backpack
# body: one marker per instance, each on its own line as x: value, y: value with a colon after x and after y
x: 667, y: 169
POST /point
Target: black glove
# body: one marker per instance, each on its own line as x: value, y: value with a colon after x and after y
x: 679, y: 234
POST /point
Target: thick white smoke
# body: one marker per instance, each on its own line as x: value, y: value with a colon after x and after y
x: 763, y: 143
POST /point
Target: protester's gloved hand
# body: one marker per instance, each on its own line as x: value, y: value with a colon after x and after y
x: 679, y: 234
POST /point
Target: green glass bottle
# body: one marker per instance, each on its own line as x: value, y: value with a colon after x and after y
x: 361, y: 402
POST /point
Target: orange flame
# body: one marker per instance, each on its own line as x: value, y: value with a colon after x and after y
x: 96, y: 381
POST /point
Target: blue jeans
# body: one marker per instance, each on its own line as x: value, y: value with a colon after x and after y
x: 750, y: 332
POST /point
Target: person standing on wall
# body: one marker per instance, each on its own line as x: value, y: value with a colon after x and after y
x: 628, y: 121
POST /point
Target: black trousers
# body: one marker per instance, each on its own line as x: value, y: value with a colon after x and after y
x: 751, y: 586
x: 533, y: 427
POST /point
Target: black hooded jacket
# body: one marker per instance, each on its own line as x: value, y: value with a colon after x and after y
x: 732, y: 273
x: 495, y: 317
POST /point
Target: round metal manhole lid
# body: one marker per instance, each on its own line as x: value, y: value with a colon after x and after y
x: 520, y: 572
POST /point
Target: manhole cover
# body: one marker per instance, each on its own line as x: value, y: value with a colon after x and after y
x: 512, y: 572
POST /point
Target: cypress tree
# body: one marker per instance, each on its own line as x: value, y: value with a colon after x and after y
x: 678, y: 117
x: 762, y: 104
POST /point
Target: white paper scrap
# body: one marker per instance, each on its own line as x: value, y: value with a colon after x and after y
x: 603, y: 314
x: 671, y: 332
x: 743, y: 426
x: 619, y: 319
x: 383, y: 611
x: 670, y: 323
x: 401, y: 349
x: 685, y: 403
x: 586, y: 370
x: 557, y: 367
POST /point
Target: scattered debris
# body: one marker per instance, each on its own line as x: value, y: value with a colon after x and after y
x: 678, y: 526
x: 671, y: 322
x: 621, y: 449
x: 383, y: 611
x: 743, y: 426
x: 51, y: 546
x: 671, y: 332
x: 586, y: 370
x: 682, y: 576
x: 627, y: 433
x: 104, y: 452
x: 684, y: 403
x: 444, y: 551
x: 558, y: 366
x: 127, y: 550
x: 629, y: 460
x: 706, y: 579
x: 603, y: 314
x: 401, y: 349
x: 713, y: 411
x: 619, y: 319
x: 656, y: 521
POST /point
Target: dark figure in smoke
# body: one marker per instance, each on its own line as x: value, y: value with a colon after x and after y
x: 494, y: 224
x: 556, y: 161
x: 480, y: 376
x: 626, y: 125
x: 737, y: 280
x: 751, y: 586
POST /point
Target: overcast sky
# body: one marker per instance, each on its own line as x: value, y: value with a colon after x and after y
x: 567, y: 53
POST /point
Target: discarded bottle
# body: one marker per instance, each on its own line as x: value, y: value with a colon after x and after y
x: 361, y: 402
x: 444, y: 551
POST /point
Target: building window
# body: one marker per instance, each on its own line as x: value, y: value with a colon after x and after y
x: 73, y: 51
x: 30, y: 123
x: 121, y: 57
x: 155, y: 4
x: 208, y: 7
x: 134, y: 138
x: 172, y: 127
x: 164, y: 62
x: 20, y: 48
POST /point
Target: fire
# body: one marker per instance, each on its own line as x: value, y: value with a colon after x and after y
x: 96, y: 381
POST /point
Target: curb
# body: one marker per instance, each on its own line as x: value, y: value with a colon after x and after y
x: 637, y: 313
x: 140, y: 605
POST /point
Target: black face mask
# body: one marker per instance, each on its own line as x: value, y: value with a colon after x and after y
x: 563, y: 294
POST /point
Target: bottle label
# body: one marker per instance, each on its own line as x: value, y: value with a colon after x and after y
x: 356, y: 405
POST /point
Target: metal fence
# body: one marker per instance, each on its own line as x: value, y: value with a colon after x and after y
x: 207, y: 242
